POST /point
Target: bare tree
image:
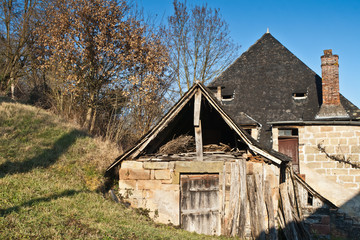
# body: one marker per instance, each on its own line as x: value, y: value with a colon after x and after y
x: 200, y: 44
x: 15, y: 31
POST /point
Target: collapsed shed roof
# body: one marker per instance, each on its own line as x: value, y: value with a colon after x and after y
x: 177, y: 121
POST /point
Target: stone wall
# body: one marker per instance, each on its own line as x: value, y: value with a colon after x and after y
x: 155, y: 185
x: 340, y: 141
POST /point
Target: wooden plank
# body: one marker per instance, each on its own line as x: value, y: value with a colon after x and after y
x: 297, y: 198
x: 260, y: 202
x: 286, y: 230
x: 261, y: 192
x: 286, y: 209
x: 223, y: 227
x: 232, y: 199
x: 290, y: 189
x: 197, y: 107
x: 295, y: 208
x: 235, y: 183
x: 270, y: 212
x: 242, y: 198
x: 250, y: 182
x: 298, y: 214
x: 256, y: 224
x: 200, y: 209
x: 198, y: 143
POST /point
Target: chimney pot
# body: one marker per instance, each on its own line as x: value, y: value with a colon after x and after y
x: 328, y: 52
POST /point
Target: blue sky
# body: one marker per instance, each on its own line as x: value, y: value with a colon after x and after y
x: 305, y: 27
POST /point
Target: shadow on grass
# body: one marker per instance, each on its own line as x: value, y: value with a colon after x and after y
x: 43, y: 160
x: 67, y: 193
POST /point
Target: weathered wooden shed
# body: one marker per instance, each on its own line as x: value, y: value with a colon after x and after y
x: 196, y: 168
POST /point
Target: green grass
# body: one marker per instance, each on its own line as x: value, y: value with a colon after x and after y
x: 49, y: 173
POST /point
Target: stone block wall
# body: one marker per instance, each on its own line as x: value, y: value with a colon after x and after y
x: 149, y: 185
x: 340, y: 141
x: 155, y: 185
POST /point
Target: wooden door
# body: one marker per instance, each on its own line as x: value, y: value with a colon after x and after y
x: 199, y: 203
x: 290, y: 147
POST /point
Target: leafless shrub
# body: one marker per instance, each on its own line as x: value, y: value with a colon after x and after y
x: 339, y: 158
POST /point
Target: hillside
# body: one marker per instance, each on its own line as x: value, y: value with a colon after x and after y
x: 49, y: 173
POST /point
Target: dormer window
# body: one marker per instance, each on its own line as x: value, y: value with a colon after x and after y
x: 223, y: 94
x: 299, y: 96
x: 227, y: 97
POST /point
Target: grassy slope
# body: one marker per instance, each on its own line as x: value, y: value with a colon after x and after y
x: 48, y: 173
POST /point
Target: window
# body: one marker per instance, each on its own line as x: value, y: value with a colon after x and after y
x: 227, y: 97
x: 299, y: 96
x: 310, y: 199
x: 288, y: 132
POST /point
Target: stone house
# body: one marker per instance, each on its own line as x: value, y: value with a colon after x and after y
x: 299, y: 114
x: 196, y: 168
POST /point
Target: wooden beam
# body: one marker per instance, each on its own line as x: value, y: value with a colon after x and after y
x: 197, y: 125
x: 197, y: 107
x: 218, y: 93
x: 198, y: 143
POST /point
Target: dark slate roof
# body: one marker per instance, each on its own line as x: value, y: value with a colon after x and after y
x: 350, y: 108
x: 241, y: 119
x: 264, y: 79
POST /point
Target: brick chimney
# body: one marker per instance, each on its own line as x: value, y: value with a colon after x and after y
x: 330, y: 78
x: 331, y: 106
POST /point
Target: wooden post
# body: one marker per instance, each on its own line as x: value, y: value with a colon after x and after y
x: 197, y: 125
x: 218, y: 93
x: 197, y: 107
